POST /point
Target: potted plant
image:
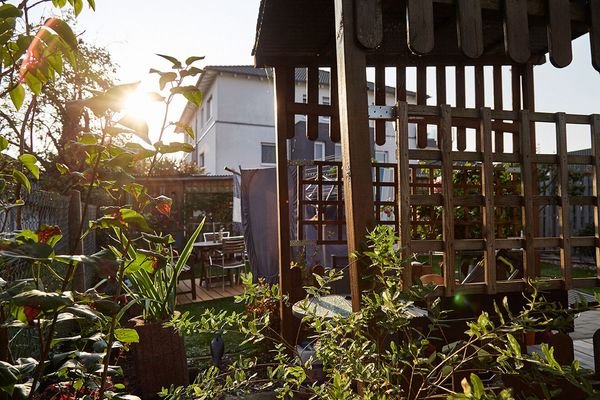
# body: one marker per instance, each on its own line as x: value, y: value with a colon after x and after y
x: 158, y: 359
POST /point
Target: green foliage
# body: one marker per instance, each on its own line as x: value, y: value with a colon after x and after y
x: 73, y: 336
x: 381, y: 347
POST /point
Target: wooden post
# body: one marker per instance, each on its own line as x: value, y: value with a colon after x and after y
x: 487, y: 188
x: 403, y: 194
x: 286, y: 275
x: 595, y: 121
x: 445, y: 132
x: 356, y: 144
x: 564, y: 216
x: 528, y: 213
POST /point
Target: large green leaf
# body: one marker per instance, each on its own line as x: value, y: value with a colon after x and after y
x: 30, y: 162
x: 17, y: 95
x: 127, y: 335
x: 43, y: 300
x: 191, y: 93
x: 9, y: 11
x: 133, y: 217
x: 22, y: 179
x: 64, y: 31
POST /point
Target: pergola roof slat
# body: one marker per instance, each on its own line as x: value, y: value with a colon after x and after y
x: 420, y: 26
x: 516, y: 30
x: 470, y: 28
x: 559, y: 33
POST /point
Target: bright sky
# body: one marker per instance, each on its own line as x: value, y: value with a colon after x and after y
x: 223, y: 31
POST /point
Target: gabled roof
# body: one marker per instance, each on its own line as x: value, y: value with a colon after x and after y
x: 207, y: 78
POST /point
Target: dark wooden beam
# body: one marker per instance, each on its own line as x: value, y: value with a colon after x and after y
x: 420, y: 25
x: 470, y: 28
x: 516, y: 30
x: 369, y: 23
x: 559, y: 33
x: 354, y: 128
x: 287, y: 276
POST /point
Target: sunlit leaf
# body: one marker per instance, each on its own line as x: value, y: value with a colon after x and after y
x: 193, y: 59
x: 3, y: 143
x: 133, y: 217
x: 166, y: 77
x: 22, y: 179
x: 30, y: 162
x: 174, y: 147
x: 33, y: 83
x: 191, y: 93
x: 176, y: 63
x: 63, y: 30
x: 62, y: 168
x: 139, y: 126
x: 17, y: 95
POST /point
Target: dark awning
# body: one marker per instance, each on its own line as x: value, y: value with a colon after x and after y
x: 434, y: 32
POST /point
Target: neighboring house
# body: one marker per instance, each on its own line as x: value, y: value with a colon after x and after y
x: 235, y: 126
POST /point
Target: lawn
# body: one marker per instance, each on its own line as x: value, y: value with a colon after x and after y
x: 198, y: 345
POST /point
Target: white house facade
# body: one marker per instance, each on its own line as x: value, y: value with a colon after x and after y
x: 235, y: 126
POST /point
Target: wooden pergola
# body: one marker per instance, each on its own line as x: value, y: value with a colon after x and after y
x: 453, y: 42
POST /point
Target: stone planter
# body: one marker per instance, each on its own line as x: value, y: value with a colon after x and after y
x: 158, y: 360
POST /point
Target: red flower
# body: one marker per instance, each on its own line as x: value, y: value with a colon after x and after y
x: 46, y: 232
x: 31, y: 313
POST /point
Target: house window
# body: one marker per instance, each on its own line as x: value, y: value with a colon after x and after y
x: 319, y: 151
x: 209, y: 108
x: 201, y: 160
x: 381, y: 156
x: 326, y: 100
x: 267, y: 153
x: 338, y: 152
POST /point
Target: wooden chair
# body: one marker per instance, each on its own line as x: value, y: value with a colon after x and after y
x: 211, y: 236
x: 232, y: 256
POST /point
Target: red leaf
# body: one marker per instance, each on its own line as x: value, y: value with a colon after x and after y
x: 163, y: 205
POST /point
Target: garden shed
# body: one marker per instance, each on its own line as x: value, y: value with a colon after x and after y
x: 473, y: 62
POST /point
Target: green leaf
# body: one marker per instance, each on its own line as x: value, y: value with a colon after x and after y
x: 22, y: 179
x: 92, y: 4
x: 174, y: 147
x: 176, y: 63
x: 78, y: 6
x: 139, y: 126
x: 191, y: 93
x: 127, y: 335
x: 133, y: 217
x: 33, y: 83
x: 43, y: 300
x: 59, y: 3
x: 192, y: 71
x: 193, y: 59
x: 63, y: 30
x: 9, y: 11
x: 17, y: 95
x: 62, y: 168
x: 3, y: 143
x: 30, y: 162
x: 478, y: 389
